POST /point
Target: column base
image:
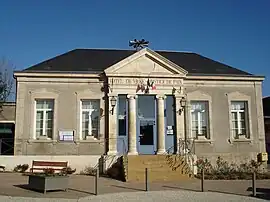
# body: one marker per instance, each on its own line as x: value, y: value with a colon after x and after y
x: 160, y: 152
x: 112, y: 153
x: 133, y: 153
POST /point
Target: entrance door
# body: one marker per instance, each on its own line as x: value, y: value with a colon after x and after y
x: 146, y: 124
x: 122, y: 116
x: 146, y: 136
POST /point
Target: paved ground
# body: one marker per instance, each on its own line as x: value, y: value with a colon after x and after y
x: 153, y: 196
x: 82, y: 187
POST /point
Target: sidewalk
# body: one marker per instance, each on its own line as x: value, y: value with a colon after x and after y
x: 153, y: 196
x: 14, y: 184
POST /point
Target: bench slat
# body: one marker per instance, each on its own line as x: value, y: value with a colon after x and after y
x: 45, y: 168
x: 50, y: 163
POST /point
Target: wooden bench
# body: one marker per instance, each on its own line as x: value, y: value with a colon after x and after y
x: 56, y: 166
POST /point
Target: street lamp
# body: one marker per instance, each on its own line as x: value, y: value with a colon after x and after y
x: 113, y: 104
x: 183, y: 103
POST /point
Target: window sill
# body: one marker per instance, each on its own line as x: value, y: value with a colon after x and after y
x: 42, y: 141
x: 89, y: 139
x: 203, y: 140
x: 243, y: 139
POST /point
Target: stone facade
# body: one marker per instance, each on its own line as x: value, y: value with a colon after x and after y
x: 66, y: 92
x: 122, y: 79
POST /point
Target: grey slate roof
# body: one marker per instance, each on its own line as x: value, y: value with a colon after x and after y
x: 97, y: 60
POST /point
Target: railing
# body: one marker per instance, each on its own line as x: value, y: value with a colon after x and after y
x: 186, y: 146
x: 183, y: 147
x: 6, y: 146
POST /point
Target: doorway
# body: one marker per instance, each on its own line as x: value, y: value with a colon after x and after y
x: 122, y: 117
x: 7, y: 138
x: 146, y: 124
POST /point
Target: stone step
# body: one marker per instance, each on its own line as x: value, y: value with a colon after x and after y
x: 160, y: 168
x: 157, y: 176
x: 154, y: 161
x: 155, y: 164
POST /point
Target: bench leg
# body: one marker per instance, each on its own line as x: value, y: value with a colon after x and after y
x: 44, y: 191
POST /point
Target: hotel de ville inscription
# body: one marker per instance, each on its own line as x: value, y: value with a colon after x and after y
x: 136, y: 81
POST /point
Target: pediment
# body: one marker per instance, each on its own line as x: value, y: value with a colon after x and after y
x: 145, y: 62
x: 237, y: 96
x: 198, y: 95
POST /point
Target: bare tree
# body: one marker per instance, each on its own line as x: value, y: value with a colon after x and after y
x: 6, y: 81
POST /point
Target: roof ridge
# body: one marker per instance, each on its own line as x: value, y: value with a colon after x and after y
x: 132, y: 50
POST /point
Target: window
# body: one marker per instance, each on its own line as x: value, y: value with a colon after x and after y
x: 122, y: 115
x: 90, y: 117
x: 199, y: 119
x: 239, y: 119
x: 44, y: 118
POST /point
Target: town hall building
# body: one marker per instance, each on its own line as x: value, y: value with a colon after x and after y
x: 114, y: 102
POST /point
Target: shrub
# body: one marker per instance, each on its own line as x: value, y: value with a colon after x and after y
x: 21, y: 168
x: 49, y: 171
x: 223, y: 170
x: 88, y: 171
x: 68, y: 170
x: 204, y: 164
x: 223, y: 167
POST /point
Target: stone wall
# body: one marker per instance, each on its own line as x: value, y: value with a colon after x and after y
x: 67, y: 93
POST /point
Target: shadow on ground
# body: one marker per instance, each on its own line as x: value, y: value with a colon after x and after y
x: 26, y: 187
x: 262, y: 193
x: 181, y: 188
x: 130, y: 188
x: 226, y: 192
x: 80, y: 191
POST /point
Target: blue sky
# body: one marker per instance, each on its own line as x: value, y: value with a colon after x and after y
x: 233, y: 32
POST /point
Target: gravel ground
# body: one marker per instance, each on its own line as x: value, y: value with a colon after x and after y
x: 153, y: 196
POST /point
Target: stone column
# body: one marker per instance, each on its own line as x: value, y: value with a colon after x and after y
x: 132, y: 127
x: 160, y: 124
x: 112, y: 128
x: 180, y: 122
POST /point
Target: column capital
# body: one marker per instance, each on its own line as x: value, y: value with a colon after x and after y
x: 132, y: 96
x: 161, y: 96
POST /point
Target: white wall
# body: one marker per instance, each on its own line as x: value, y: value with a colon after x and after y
x: 78, y: 162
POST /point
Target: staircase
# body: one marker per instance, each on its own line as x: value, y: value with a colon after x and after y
x: 160, y: 168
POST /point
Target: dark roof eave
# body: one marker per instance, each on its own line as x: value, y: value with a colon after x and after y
x: 59, y: 72
x: 227, y: 75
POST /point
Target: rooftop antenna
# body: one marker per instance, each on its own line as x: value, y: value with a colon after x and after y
x: 139, y: 44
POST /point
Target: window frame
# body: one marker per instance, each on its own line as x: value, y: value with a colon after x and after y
x: 239, y: 120
x: 240, y: 97
x: 44, y: 119
x: 199, y: 96
x: 81, y: 119
x: 200, y: 126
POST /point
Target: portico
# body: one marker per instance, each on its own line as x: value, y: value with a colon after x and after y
x: 145, y: 74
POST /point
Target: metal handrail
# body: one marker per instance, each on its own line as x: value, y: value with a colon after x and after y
x: 5, y: 143
x: 183, y: 146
